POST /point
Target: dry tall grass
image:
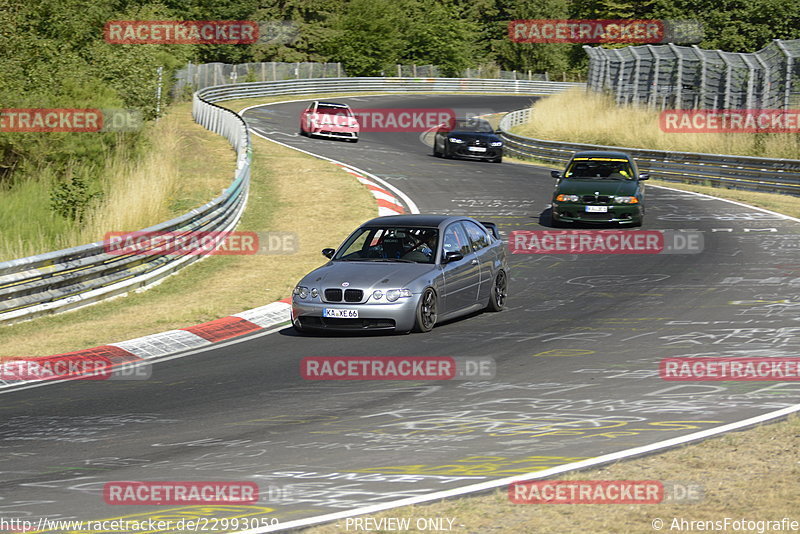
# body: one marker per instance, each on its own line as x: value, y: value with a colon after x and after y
x: 586, y: 117
x: 136, y: 193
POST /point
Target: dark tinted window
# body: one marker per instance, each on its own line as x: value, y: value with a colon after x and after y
x: 477, y: 236
x: 390, y: 243
x: 456, y: 240
x: 470, y: 125
x: 600, y: 168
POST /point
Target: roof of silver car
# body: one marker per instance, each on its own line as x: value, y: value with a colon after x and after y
x: 413, y: 220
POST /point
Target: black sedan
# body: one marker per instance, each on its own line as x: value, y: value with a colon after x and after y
x: 470, y: 139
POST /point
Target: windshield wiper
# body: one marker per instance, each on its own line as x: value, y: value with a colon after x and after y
x: 392, y: 259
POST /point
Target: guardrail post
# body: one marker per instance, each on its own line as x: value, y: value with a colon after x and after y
x: 637, y: 67
x: 703, y: 70
x: 788, y: 76
x: 728, y: 78
x: 679, y: 76
x: 763, y: 102
x: 651, y: 101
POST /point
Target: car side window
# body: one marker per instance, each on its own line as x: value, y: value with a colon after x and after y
x: 456, y: 240
x: 477, y: 236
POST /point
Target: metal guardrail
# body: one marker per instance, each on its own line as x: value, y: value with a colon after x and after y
x: 399, y: 85
x: 737, y: 172
x: 74, y: 277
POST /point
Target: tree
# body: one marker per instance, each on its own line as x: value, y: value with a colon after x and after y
x: 366, y: 38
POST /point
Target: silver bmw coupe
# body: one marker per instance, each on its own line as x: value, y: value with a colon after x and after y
x: 404, y: 273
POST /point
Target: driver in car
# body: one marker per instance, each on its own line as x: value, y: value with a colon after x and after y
x: 424, y: 250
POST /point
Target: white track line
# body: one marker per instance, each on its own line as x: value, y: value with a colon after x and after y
x: 782, y: 215
x: 493, y: 484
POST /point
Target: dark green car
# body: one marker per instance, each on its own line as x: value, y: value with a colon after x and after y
x: 599, y: 187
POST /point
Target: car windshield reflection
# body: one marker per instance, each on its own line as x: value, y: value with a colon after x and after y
x: 471, y: 126
x: 606, y: 169
x: 390, y: 244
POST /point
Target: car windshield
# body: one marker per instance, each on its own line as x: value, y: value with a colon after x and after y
x: 471, y: 126
x: 599, y: 169
x: 324, y: 109
x: 390, y: 243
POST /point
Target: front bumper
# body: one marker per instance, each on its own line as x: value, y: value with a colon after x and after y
x: 334, y: 134
x: 462, y: 151
x: 617, y: 213
x: 399, y: 316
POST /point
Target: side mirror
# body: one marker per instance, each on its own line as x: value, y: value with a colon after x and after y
x: 498, y: 131
x: 555, y: 174
x: 453, y: 255
x: 328, y: 252
x: 644, y: 176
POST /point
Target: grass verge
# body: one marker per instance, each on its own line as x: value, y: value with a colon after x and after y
x: 751, y: 474
x: 578, y: 116
x: 137, y: 192
x: 331, y: 205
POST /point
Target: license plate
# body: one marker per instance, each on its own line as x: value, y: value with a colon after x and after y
x: 340, y: 313
x: 476, y: 148
x: 597, y: 209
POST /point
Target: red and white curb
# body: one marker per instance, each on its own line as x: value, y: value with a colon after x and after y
x: 388, y: 203
x: 167, y: 343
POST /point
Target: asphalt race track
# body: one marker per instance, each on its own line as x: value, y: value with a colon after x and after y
x: 577, y: 353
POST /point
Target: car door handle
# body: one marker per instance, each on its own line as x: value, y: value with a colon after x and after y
x: 474, y: 261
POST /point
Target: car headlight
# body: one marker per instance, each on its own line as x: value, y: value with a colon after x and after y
x: 567, y: 198
x: 314, y: 293
x: 455, y: 140
x: 394, y: 294
x: 377, y: 294
x: 496, y: 143
x: 626, y: 200
x: 300, y: 291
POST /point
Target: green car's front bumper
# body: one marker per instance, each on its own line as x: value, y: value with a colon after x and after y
x: 616, y: 213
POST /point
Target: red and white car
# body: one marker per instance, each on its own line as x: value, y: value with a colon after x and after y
x: 328, y: 119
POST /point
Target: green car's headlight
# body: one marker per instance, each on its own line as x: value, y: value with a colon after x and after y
x: 626, y: 200
x: 455, y: 140
x: 496, y: 143
x: 394, y: 294
x: 567, y: 198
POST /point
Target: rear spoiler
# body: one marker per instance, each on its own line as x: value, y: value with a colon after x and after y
x: 492, y: 227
